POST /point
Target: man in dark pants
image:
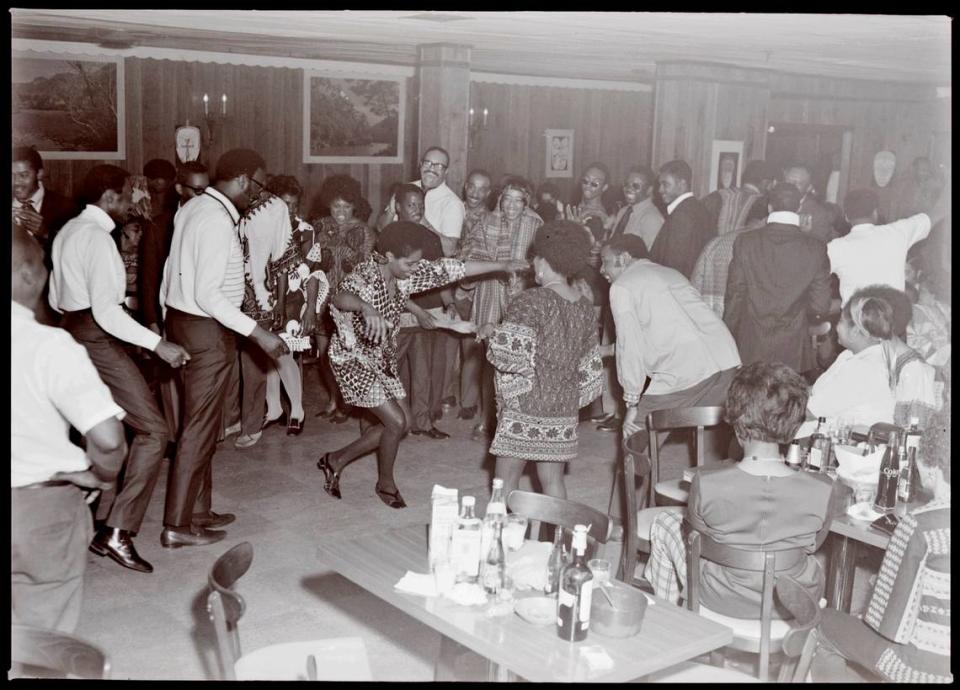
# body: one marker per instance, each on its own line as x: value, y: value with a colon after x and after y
x: 87, y: 287
x: 202, y: 291
x: 50, y: 478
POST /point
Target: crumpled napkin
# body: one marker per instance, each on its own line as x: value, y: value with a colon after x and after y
x: 417, y: 583
x: 466, y: 594
x: 856, y: 468
x: 527, y: 566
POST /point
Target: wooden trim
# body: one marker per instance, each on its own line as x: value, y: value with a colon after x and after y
x: 796, y: 96
x: 560, y: 82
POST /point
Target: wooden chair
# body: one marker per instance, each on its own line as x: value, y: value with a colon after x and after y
x: 559, y: 511
x: 40, y: 653
x: 664, y: 421
x: 638, y: 518
x: 765, y: 636
x: 342, y: 658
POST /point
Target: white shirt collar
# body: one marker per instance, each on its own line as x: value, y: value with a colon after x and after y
x: 18, y: 311
x: 862, y: 226
x: 672, y: 206
x: 36, y: 198
x: 784, y: 217
x: 100, y: 217
x: 218, y: 195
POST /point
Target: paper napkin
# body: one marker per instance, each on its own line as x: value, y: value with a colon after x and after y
x: 417, y: 583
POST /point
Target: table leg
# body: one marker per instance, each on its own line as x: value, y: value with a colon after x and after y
x: 840, y: 573
x: 456, y: 663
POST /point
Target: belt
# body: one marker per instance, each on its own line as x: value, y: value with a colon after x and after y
x: 46, y: 484
x: 79, y: 312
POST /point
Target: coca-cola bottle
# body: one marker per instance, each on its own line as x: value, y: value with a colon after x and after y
x: 886, y: 500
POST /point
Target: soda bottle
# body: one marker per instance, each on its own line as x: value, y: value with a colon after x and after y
x: 816, y: 457
x: 495, y: 564
x: 576, y: 591
x: 886, y: 500
x: 496, y: 513
x: 909, y: 485
x: 556, y: 561
x: 465, y: 543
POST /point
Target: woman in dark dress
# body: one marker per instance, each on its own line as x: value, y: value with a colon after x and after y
x: 363, y: 353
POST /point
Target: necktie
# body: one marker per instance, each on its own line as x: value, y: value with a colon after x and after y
x: 622, y: 225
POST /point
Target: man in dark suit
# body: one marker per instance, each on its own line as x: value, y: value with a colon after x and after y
x: 39, y: 210
x: 778, y: 284
x: 687, y: 227
x: 815, y: 218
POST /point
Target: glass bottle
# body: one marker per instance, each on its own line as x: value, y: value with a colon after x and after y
x: 886, y: 500
x: 912, y: 445
x: 575, y: 593
x: 496, y: 513
x: 556, y: 561
x: 465, y: 543
x: 794, y: 457
x: 816, y: 458
x: 495, y: 563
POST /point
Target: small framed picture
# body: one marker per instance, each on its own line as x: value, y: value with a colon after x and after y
x: 726, y: 163
x: 559, y: 153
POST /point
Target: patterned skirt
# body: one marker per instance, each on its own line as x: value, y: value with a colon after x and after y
x: 541, y: 439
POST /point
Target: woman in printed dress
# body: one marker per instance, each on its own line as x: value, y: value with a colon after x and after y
x: 547, y: 362
x: 363, y: 353
x: 340, y: 241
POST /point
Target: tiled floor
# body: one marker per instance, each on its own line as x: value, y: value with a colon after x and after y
x: 155, y: 626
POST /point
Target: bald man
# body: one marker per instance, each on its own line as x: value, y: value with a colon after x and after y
x: 55, y: 386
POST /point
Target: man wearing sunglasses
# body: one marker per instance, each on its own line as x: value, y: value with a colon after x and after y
x: 639, y: 216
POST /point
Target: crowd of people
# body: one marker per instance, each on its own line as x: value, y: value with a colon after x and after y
x: 183, y: 305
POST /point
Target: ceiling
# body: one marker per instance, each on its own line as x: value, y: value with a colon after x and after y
x: 593, y: 45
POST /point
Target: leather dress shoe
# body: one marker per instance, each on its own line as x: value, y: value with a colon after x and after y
x: 612, y: 424
x: 432, y: 432
x: 116, y: 543
x: 246, y: 440
x: 212, y: 519
x: 602, y: 417
x: 281, y: 420
x: 479, y: 432
x: 468, y: 412
x: 193, y: 536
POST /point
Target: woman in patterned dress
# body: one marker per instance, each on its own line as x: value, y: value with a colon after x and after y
x: 340, y: 241
x: 363, y: 353
x: 547, y: 362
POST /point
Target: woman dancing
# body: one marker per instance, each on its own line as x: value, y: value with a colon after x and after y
x: 363, y: 352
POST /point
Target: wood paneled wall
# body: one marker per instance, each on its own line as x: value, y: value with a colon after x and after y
x: 609, y: 126
x: 264, y: 113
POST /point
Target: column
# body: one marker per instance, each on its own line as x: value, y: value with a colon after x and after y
x: 444, y: 72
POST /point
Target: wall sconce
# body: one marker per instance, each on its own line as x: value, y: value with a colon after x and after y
x: 476, y: 123
x: 213, y: 117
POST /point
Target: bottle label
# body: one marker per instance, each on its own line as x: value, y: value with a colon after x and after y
x: 912, y: 441
x: 586, y: 601
x: 465, y: 552
x: 815, y: 459
x: 565, y: 598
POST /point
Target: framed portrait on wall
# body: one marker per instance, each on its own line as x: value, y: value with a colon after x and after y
x: 353, y: 119
x: 726, y: 164
x: 559, y: 153
x: 69, y: 107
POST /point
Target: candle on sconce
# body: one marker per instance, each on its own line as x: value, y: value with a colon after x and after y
x: 470, y: 117
x: 223, y: 104
x: 485, y: 113
x: 206, y: 104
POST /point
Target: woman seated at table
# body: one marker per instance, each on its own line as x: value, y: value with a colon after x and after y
x: 904, y: 635
x: 878, y: 378
x: 756, y: 503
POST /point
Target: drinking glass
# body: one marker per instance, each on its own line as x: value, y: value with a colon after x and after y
x: 514, y: 532
x: 864, y: 494
x: 443, y: 576
x: 600, y: 567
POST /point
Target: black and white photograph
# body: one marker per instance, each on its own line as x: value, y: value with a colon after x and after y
x: 459, y: 346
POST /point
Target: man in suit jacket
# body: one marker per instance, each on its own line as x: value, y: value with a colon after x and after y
x: 815, y: 218
x: 40, y: 211
x: 687, y: 228
x: 778, y: 284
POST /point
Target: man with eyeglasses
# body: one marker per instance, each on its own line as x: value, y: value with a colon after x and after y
x: 639, y: 216
x: 687, y: 228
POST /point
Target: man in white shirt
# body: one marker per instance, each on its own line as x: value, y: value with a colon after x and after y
x: 53, y: 385
x: 443, y: 208
x: 639, y: 216
x: 202, y: 292
x: 88, y: 286
x: 665, y: 333
x: 874, y: 254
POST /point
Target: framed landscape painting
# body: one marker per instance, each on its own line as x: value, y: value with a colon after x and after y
x: 350, y: 119
x: 68, y: 106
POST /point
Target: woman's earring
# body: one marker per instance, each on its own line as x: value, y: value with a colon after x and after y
x: 539, y: 276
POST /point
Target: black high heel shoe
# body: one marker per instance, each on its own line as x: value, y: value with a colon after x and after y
x: 392, y: 499
x: 294, y: 427
x: 331, y: 483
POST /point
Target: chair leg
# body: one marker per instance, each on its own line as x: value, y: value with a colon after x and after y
x: 717, y: 658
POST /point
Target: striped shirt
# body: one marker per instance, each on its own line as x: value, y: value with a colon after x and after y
x: 204, y: 272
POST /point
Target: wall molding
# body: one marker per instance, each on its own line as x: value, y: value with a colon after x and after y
x: 560, y: 82
x: 180, y: 55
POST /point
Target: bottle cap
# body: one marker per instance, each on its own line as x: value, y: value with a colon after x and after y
x: 497, y: 483
x: 469, y: 501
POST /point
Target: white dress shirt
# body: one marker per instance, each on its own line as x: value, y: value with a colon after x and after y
x: 53, y: 385
x: 875, y: 254
x: 855, y: 387
x: 203, y: 274
x: 665, y: 331
x: 672, y: 206
x: 784, y: 218
x: 442, y: 208
x: 36, y: 199
x: 88, y: 273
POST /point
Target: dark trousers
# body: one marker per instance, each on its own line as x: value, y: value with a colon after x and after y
x: 421, y: 356
x: 254, y: 365
x: 212, y: 350
x: 471, y: 361
x: 150, y: 430
x: 49, y: 535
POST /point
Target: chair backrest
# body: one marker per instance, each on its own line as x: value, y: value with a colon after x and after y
x: 635, y: 463
x: 225, y: 607
x: 768, y: 562
x: 880, y: 432
x: 680, y: 418
x: 559, y: 511
x: 800, y: 642
x: 35, y: 650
